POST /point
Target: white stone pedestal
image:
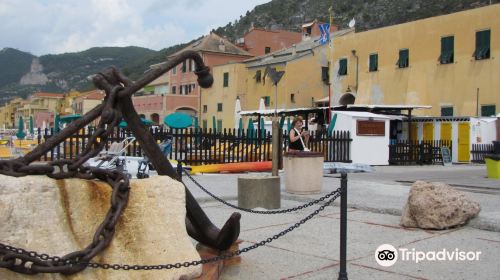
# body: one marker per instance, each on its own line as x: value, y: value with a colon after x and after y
x: 303, y: 172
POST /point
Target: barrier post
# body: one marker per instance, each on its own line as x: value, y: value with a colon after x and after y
x: 343, y: 227
x: 179, y: 171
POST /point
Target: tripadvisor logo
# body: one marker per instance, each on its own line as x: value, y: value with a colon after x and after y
x: 387, y: 255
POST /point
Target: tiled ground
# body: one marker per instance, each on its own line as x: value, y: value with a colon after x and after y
x: 312, y: 250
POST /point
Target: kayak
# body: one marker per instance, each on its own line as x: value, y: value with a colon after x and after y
x: 236, y: 167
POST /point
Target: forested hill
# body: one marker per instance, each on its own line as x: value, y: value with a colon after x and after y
x: 369, y: 14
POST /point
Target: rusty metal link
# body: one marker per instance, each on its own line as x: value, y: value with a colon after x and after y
x: 268, y: 212
x: 26, y: 262
x: 79, y: 260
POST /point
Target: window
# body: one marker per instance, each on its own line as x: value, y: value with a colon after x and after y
x: 267, y: 101
x: 447, y: 111
x: 226, y: 79
x: 343, y: 67
x: 205, y: 108
x: 292, y: 97
x: 173, y: 89
x: 193, y: 66
x: 204, y: 124
x: 174, y: 70
x: 183, y: 67
x: 482, y: 45
x: 219, y: 125
x: 404, y: 58
x: 447, y: 50
x: 258, y: 76
x: 488, y: 110
x: 325, y: 77
x: 308, y: 30
x: 373, y: 63
x: 180, y: 89
x: 219, y: 107
x: 267, y: 49
x: 190, y: 65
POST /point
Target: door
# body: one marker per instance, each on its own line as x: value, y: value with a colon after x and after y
x: 428, y: 131
x: 414, y: 131
x: 446, y: 133
x: 464, y: 142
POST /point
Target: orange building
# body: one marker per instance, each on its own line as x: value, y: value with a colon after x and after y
x: 184, y: 93
x: 259, y: 41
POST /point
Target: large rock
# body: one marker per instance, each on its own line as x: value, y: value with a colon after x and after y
x: 58, y: 217
x: 437, y: 206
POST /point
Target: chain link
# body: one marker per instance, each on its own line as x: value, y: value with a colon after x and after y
x: 289, y: 210
x: 29, y: 262
x: 227, y: 255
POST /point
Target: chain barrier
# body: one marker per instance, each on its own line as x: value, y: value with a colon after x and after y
x: 29, y: 262
x: 289, y: 210
x: 35, y: 256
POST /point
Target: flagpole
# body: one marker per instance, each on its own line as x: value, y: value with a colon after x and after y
x: 331, y: 66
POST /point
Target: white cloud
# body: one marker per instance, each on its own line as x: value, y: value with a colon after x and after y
x: 57, y: 26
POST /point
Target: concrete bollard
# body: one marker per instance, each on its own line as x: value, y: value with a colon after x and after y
x: 259, y: 191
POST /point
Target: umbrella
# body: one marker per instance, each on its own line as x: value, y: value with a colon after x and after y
x: 57, y: 122
x: 262, y: 104
x: 250, y: 130
x: 20, y: 129
x: 262, y: 129
x: 240, y: 127
x: 70, y: 118
x: 144, y: 121
x: 332, y: 124
x: 237, y: 116
x: 282, y: 122
x: 31, y: 126
x: 178, y: 120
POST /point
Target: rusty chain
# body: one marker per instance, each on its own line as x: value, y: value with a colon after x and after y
x: 29, y: 262
x: 35, y: 256
x: 282, y: 211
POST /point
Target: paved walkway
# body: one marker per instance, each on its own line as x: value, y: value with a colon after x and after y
x: 375, y: 202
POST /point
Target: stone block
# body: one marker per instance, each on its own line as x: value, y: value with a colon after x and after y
x: 58, y: 217
x: 437, y: 206
x: 259, y: 191
x: 303, y: 172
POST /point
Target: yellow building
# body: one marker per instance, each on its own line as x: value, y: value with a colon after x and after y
x: 306, y: 67
x: 7, y: 113
x: 447, y: 62
x: 219, y: 100
x: 306, y: 77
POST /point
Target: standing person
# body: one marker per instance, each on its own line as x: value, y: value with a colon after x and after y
x: 298, y: 137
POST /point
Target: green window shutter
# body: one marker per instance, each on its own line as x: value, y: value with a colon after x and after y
x: 446, y: 111
x: 342, y: 67
x: 373, y: 66
x: 488, y: 110
x: 205, y: 124
x: 226, y: 79
x: 482, y: 45
x: 324, y: 74
x: 267, y: 100
x: 404, y: 58
x: 184, y: 66
x: 258, y: 76
x: 447, y: 50
x: 219, y: 125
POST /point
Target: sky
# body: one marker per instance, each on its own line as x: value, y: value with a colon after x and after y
x: 59, y: 26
